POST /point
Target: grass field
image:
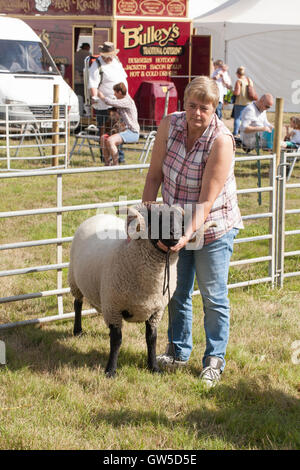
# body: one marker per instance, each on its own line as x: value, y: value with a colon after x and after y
x: 53, y: 391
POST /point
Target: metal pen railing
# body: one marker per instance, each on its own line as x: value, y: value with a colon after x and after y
x: 59, y: 240
x: 34, y: 126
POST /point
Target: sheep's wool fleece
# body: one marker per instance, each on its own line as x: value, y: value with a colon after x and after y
x: 115, y: 275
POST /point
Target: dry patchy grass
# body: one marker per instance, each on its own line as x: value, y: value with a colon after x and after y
x: 53, y: 391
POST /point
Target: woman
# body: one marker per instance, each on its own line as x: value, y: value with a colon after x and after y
x: 128, y: 113
x: 241, y: 98
x: 193, y: 160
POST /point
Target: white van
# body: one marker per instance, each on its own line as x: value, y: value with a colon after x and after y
x: 28, y: 74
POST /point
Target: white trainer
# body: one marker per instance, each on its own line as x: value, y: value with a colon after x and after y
x: 211, y: 374
x: 167, y: 360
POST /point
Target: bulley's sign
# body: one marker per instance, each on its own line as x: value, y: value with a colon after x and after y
x: 168, y: 8
x: 153, y: 40
x: 154, y: 51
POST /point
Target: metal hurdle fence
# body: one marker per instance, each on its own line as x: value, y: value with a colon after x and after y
x: 276, y: 234
x: 37, y: 124
x: 284, y: 173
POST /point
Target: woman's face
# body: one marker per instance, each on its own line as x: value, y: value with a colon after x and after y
x: 198, y: 113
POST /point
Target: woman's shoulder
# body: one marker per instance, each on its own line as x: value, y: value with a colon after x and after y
x: 177, y: 118
x: 174, y: 121
x: 221, y: 131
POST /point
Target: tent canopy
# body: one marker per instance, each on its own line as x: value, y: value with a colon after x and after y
x: 199, y: 7
x: 262, y: 35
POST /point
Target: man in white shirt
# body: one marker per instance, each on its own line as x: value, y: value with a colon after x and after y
x: 220, y: 74
x: 104, y: 73
x: 254, y: 119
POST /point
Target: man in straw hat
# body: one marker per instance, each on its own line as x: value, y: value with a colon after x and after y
x: 104, y: 73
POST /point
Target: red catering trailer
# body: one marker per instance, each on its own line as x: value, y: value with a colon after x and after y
x: 154, y: 37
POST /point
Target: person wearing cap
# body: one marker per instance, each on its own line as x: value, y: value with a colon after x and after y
x: 112, y: 72
x: 79, y: 57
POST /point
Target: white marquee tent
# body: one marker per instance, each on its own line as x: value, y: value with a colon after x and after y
x: 199, y: 7
x: 262, y: 35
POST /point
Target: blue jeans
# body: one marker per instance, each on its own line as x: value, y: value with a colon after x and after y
x: 211, y: 266
x: 219, y: 110
x: 237, y: 112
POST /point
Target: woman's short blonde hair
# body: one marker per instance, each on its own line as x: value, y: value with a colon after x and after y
x: 203, y: 89
x: 241, y: 70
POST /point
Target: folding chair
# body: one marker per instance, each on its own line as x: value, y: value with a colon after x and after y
x: 147, y: 146
x: 257, y: 150
x: 295, y: 154
x: 86, y: 137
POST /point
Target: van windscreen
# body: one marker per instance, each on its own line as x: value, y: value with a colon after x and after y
x: 25, y: 57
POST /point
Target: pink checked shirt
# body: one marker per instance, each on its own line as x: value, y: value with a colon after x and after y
x: 183, y: 172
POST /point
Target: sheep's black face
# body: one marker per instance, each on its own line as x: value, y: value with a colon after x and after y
x: 165, y: 224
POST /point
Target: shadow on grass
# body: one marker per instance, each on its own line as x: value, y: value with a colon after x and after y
x: 243, y: 417
x: 249, y: 416
x: 47, y: 349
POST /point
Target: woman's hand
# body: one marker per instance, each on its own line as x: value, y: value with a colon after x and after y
x: 179, y: 245
x: 183, y: 241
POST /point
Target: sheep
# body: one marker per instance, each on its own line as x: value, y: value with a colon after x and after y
x: 123, y: 278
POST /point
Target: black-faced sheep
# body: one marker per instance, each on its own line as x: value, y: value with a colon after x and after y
x: 124, y: 279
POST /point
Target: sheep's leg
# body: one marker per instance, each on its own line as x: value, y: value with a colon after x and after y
x: 151, y: 335
x: 77, y: 323
x: 115, y: 344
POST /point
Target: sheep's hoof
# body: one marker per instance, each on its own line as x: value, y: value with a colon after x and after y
x: 78, y: 333
x: 155, y: 370
x: 110, y: 374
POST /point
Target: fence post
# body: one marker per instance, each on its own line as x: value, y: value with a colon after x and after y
x: 280, y: 245
x: 273, y: 174
x: 55, y: 125
x: 273, y: 221
x: 68, y: 136
x: 59, y: 245
x: 7, y: 137
x: 278, y: 129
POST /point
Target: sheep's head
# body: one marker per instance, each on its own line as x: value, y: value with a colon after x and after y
x: 156, y: 222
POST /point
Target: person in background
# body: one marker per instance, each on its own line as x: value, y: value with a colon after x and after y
x: 241, y: 98
x: 221, y: 76
x: 79, y: 57
x: 103, y: 75
x: 254, y: 120
x: 113, y: 125
x: 193, y: 162
x: 292, y: 137
x: 128, y: 113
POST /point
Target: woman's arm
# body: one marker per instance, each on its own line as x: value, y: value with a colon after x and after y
x: 237, y: 88
x: 215, y: 173
x: 155, y: 175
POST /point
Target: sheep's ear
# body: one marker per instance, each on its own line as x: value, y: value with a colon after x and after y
x: 135, y: 224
